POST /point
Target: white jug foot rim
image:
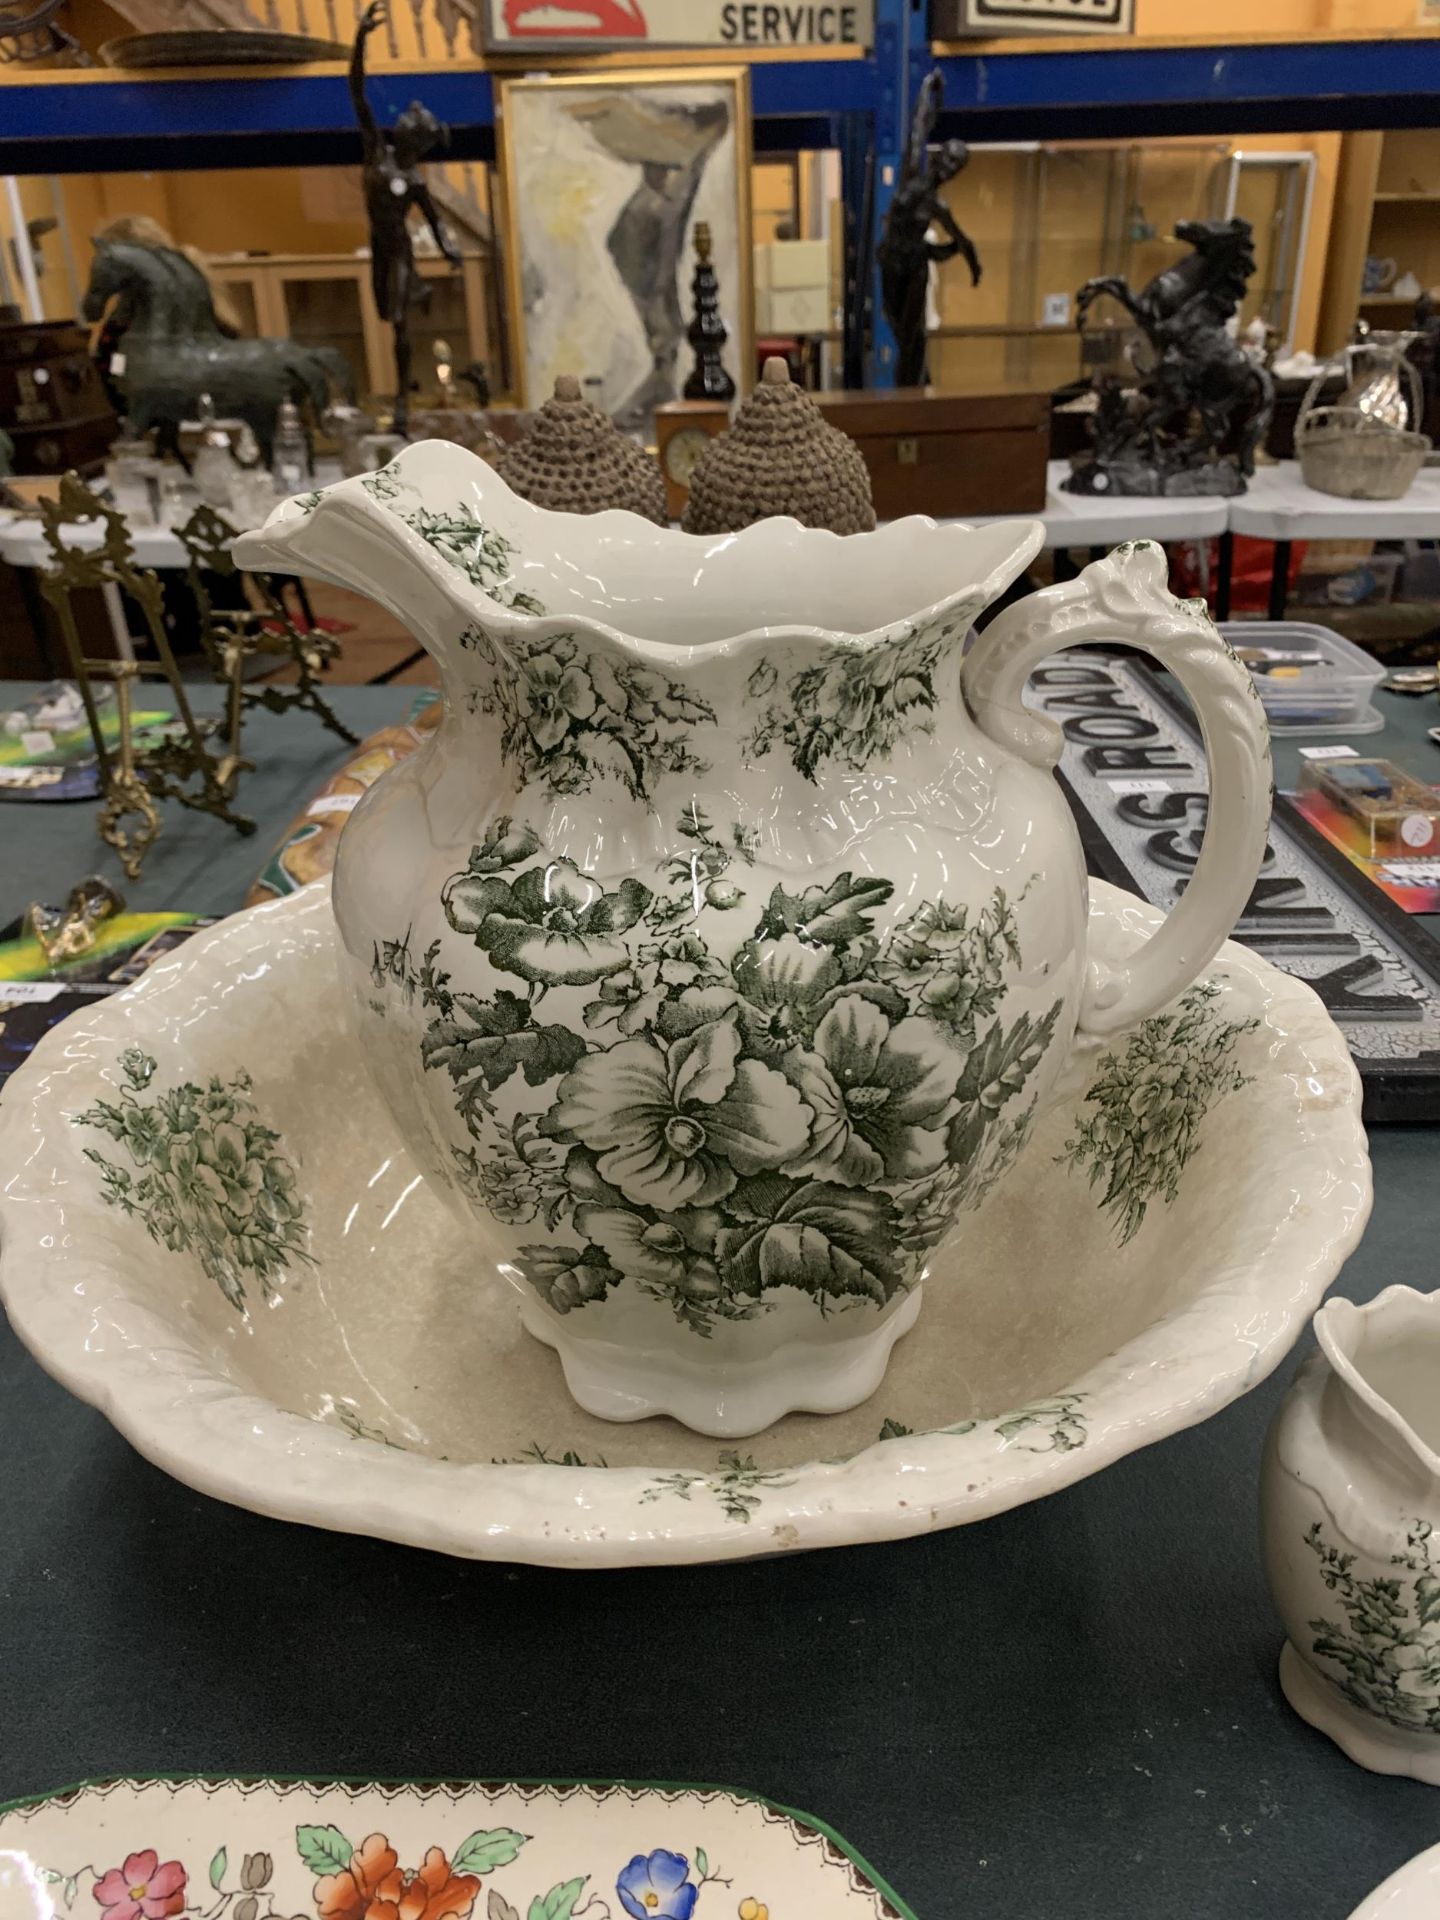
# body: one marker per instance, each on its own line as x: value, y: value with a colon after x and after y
x: 615, y: 1383
x: 1368, y: 1741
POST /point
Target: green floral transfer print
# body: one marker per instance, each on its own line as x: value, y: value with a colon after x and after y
x: 1149, y: 1100
x: 1388, y: 1650
x: 811, y: 1112
x: 385, y: 483
x: 350, y: 1418
x: 570, y: 715
x: 485, y: 557
x: 733, y: 1485
x: 855, y: 703
x: 460, y: 537
x: 1047, y: 1426
x: 208, y: 1176
x: 738, y: 1482
x: 535, y: 1455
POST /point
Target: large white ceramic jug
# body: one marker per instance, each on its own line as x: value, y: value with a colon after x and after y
x: 720, y: 949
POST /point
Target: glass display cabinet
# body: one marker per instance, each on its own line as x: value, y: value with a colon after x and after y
x: 1046, y: 218
x: 324, y: 300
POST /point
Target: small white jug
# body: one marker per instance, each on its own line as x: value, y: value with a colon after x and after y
x: 1350, y: 1516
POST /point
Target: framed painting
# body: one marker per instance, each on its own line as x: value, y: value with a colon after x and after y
x: 606, y: 176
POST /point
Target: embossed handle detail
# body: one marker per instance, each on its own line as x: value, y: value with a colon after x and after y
x: 1123, y: 598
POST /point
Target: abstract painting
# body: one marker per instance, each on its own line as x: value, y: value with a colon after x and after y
x: 605, y: 180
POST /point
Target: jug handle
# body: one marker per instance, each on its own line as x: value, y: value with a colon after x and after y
x: 1123, y: 598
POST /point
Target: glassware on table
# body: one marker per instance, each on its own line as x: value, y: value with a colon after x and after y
x: 132, y: 474
x: 290, y: 456
x: 253, y: 497
x: 213, y: 468
x: 1380, y: 378
x: 178, y: 494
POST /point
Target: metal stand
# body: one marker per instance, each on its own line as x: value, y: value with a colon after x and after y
x: 133, y: 779
x: 1280, y: 580
x: 230, y: 637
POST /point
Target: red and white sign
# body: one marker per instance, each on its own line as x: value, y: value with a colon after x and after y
x: 517, y: 25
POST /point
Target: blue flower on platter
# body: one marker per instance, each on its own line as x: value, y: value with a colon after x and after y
x: 658, y: 1887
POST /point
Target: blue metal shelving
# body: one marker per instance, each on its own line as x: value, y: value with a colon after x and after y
x: 1298, y: 86
x: 1115, y: 90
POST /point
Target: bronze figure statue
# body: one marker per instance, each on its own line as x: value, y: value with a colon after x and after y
x: 394, y: 183
x: 1203, y: 404
x: 906, y: 249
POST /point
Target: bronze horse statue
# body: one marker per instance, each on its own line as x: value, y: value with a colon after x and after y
x: 174, y: 350
x: 1199, y: 376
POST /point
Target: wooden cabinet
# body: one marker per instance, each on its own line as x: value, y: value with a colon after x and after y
x: 1387, y: 209
x: 1045, y: 218
x: 325, y: 300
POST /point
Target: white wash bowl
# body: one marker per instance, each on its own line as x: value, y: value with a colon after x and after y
x: 387, y: 1387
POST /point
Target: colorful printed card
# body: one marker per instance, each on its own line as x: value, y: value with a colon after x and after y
x: 34, y: 997
x: 124, y: 946
x: 58, y: 763
x: 1413, y: 885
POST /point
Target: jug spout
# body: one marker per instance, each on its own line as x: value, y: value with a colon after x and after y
x: 1385, y: 1370
x: 345, y: 547
x: 606, y: 655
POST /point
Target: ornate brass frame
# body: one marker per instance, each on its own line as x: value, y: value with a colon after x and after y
x: 231, y: 637
x: 134, y: 778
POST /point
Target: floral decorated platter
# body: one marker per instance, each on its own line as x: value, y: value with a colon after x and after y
x: 271, y: 1850
x: 1412, y: 1893
x: 210, y: 1230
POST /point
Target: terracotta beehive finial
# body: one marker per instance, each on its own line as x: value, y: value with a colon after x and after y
x: 781, y: 456
x: 575, y: 460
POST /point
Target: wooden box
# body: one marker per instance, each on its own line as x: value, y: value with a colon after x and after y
x: 951, y: 455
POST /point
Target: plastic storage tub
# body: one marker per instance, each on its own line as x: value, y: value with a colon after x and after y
x: 1309, y: 679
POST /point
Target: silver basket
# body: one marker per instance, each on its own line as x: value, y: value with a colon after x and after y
x: 1362, y: 451
x: 1344, y: 451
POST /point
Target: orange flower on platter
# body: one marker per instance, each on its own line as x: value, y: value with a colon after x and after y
x: 375, y: 1887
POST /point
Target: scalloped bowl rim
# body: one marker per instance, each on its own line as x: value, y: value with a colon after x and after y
x: 234, y: 1444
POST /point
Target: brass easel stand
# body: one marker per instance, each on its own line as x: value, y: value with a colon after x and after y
x: 133, y: 778
x: 231, y: 638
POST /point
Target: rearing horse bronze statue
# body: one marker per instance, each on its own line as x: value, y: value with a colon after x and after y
x: 1204, y: 404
